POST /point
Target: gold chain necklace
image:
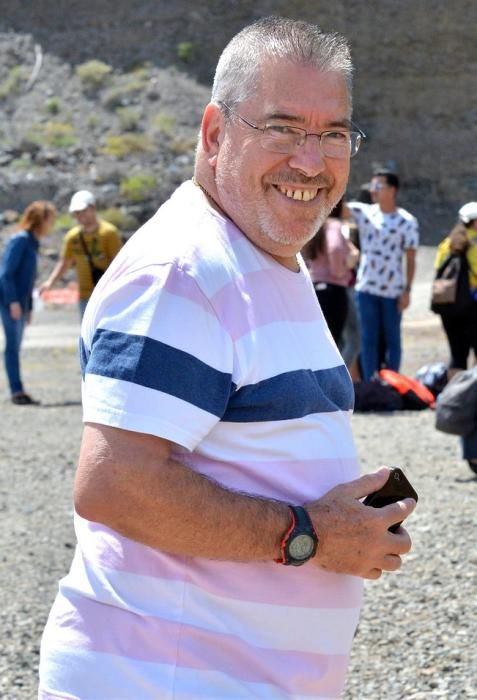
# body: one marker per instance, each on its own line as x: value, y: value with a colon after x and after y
x: 207, y: 194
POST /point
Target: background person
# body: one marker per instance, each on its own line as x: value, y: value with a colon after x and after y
x: 93, y: 242
x: 388, y: 237
x: 460, y: 325
x: 18, y: 269
x: 330, y: 258
x: 217, y: 446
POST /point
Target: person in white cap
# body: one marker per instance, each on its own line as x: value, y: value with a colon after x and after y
x: 90, y: 247
x: 460, y: 324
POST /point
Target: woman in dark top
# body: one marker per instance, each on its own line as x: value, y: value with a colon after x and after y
x: 17, y: 276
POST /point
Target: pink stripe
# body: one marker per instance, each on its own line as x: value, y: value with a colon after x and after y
x: 260, y: 582
x: 112, y: 630
x: 182, y: 285
x: 235, y: 308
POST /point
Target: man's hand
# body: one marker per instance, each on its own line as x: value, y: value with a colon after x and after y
x: 45, y: 287
x: 16, y: 311
x: 355, y: 539
x: 404, y: 300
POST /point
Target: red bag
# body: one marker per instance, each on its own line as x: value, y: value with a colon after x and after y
x: 415, y: 395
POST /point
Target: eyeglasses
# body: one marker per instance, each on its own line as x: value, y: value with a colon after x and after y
x: 282, y: 138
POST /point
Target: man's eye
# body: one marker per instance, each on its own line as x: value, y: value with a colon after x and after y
x: 342, y: 136
x: 280, y: 130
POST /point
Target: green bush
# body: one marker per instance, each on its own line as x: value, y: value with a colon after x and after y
x: 118, y: 96
x: 63, y: 222
x: 92, y: 121
x: 137, y: 187
x: 52, y: 105
x: 94, y: 74
x: 182, y: 146
x: 164, y: 123
x: 122, y: 220
x: 128, y: 118
x: 13, y: 82
x: 125, y: 144
x: 21, y: 163
x: 185, y: 51
x: 56, y: 134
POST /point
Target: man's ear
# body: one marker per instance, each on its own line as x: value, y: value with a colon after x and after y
x: 211, y: 131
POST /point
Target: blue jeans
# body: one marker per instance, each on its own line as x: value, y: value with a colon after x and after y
x: 380, y: 321
x: 13, y: 340
x: 469, y: 445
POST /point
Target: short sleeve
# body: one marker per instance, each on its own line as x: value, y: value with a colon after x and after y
x: 159, y: 360
x: 411, y: 234
x: 67, y: 247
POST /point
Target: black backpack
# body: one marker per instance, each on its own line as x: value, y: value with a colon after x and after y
x: 376, y: 395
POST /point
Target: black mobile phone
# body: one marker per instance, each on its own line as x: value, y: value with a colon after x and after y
x: 395, y: 489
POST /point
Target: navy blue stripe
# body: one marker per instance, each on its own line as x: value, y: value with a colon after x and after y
x: 152, y: 364
x: 84, y: 356
x: 292, y: 395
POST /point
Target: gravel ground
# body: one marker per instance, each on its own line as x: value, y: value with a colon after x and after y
x: 418, y: 629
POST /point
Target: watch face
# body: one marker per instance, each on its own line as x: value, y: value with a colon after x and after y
x: 301, y: 546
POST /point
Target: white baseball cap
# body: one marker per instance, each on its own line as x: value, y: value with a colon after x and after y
x: 468, y: 212
x: 82, y: 200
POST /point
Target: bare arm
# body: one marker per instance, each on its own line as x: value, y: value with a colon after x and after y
x: 58, y: 271
x: 128, y: 482
x: 405, y: 298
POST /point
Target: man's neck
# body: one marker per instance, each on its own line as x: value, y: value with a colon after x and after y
x: 90, y: 229
x: 388, y: 208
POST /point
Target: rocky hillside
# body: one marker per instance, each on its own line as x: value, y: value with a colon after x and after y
x: 127, y: 135
x: 108, y: 95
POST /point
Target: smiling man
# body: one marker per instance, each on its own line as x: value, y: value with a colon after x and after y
x: 222, y: 540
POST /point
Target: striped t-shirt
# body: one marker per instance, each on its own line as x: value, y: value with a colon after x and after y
x: 199, y: 337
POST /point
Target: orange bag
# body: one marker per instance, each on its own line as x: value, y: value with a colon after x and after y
x: 414, y: 394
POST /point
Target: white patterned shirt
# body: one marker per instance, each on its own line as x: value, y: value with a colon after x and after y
x: 383, y: 239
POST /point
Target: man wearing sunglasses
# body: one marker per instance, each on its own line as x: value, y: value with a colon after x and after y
x: 222, y: 541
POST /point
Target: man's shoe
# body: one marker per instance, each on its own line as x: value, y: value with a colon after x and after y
x: 22, y: 399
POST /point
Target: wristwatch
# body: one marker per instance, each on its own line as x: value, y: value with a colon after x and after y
x: 300, y: 541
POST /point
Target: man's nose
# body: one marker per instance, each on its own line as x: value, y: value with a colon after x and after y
x: 309, y: 158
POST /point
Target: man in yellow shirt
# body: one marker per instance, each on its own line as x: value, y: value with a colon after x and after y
x: 90, y: 247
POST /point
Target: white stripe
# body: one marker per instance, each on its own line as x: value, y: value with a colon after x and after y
x: 94, y: 675
x: 144, y: 410
x: 277, y: 627
x: 284, y: 347
x: 318, y: 435
x: 170, y: 319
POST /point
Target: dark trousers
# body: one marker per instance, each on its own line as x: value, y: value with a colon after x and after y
x: 461, y: 332
x: 13, y: 340
x: 334, y: 304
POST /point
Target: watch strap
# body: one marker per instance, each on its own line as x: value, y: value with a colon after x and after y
x: 301, y: 523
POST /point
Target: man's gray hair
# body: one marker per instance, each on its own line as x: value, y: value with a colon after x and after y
x: 237, y: 75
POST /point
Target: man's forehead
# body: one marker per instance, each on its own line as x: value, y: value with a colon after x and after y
x: 292, y: 91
